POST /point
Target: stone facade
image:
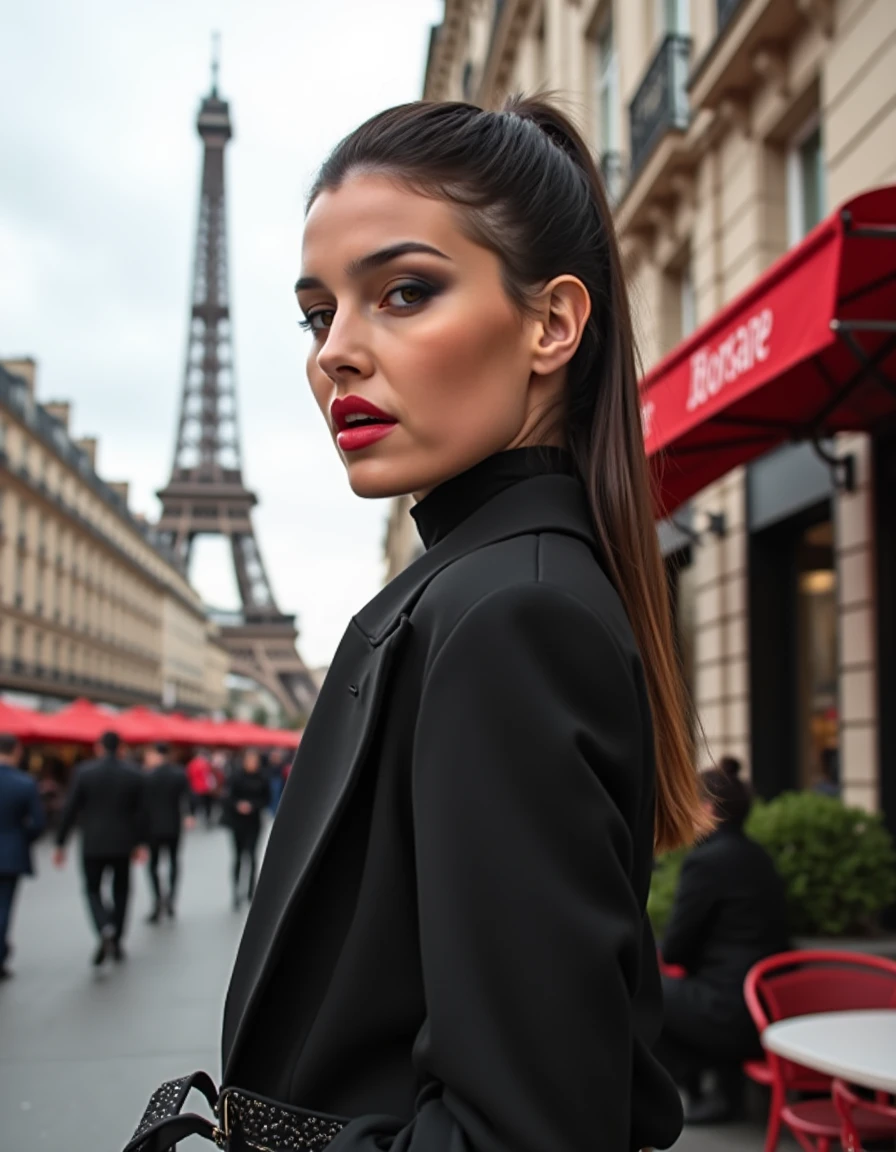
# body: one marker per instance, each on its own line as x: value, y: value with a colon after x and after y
x: 725, y: 130
x: 89, y: 605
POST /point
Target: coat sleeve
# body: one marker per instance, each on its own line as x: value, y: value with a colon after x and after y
x: 72, y: 808
x: 528, y: 766
x: 36, y: 818
x: 692, y: 907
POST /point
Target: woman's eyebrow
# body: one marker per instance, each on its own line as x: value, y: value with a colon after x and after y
x: 375, y: 260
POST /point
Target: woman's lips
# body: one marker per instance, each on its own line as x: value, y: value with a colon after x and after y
x: 359, y: 423
x: 353, y: 439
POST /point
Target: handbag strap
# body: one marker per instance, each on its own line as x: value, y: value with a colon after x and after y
x: 163, y: 1124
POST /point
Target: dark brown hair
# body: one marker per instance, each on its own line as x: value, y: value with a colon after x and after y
x: 529, y: 191
x: 730, y: 796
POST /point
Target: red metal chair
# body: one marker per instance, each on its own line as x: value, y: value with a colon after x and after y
x: 871, y: 1119
x: 799, y: 984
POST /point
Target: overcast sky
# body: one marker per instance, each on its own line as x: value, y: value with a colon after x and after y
x: 99, y: 183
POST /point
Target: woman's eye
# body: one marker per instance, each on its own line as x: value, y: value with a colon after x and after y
x: 318, y: 321
x: 408, y: 295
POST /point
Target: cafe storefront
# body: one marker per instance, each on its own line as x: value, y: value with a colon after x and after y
x: 785, y: 385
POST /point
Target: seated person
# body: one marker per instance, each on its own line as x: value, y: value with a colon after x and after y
x: 729, y: 912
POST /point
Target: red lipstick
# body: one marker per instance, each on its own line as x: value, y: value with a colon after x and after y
x: 359, y: 423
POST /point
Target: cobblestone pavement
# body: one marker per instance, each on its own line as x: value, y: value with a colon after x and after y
x: 81, y: 1050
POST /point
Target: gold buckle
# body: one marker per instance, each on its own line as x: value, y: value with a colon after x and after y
x: 221, y: 1135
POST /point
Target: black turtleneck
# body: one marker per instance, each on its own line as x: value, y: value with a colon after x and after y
x: 453, y: 501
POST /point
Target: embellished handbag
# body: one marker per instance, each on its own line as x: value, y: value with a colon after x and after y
x: 243, y: 1122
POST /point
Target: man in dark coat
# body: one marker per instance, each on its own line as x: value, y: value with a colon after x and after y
x: 107, y: 799
x: 21, y: 822
x: 167, y: 798
x: 730, y: 911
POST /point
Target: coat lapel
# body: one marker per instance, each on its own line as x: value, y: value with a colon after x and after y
x: 345, y: 717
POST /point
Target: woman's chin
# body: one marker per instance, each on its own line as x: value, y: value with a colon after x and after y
x: 376, y: 479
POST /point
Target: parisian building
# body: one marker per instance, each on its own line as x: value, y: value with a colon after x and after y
x: 90, y: 604
x: 726, y: 130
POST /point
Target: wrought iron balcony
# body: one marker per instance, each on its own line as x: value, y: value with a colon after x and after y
x: 725, y: 9
x: 613, y: 171
x: 661, y: 102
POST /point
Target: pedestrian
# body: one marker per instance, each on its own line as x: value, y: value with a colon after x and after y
x: 201, y: 779
x: 276, y: 772
x: 730, y: 911
x: 21, y: 822
x: 107, y: 800
x: 167, y: 812
x: 248, y: 795
x: 449, y: 946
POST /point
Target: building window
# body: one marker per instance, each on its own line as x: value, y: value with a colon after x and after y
x: 608, y: 111
x: 673, y: 16
x: 806, y: 199
x: 39, y: 648
x: 18, y: 642
x: 688, y: 302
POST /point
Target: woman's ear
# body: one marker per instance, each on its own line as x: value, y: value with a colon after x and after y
x: 562, y: 309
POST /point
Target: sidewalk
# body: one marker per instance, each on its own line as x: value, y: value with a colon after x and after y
x: 80, y: 1051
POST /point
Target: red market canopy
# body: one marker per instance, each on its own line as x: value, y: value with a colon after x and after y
x: 80, y: 723
x: 18, y: 722
x: 809, y: 350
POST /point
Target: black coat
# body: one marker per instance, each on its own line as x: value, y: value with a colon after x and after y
x: 166, y: 797
x: 448, y: 942
x: 730, y: 911
x: 247, y: 787
x: 21, y: 820
x: 106, y: 799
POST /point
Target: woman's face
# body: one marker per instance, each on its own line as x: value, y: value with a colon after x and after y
x: 420, y: 362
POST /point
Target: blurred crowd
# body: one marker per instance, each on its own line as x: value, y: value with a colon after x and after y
x: 131, y: 807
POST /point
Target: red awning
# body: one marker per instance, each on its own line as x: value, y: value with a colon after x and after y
x: 807, y: 351
x: 18, y: 722
x: 82, y: 722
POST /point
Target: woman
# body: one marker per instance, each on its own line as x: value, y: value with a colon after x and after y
x: 248, y: 795
x: 448, y: 945
x: 730, y: 911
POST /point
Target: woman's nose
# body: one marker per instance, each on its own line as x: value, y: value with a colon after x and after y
x: 344, y: 354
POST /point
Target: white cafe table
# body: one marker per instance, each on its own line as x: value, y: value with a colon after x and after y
x: 859, y: 1047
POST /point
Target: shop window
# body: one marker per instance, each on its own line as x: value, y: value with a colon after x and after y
x: 817, y: 654
x: 806, y: 192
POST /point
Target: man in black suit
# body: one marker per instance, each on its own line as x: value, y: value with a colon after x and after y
x: 21, y: 822
x: 107, y: 800
x: 167, y: 794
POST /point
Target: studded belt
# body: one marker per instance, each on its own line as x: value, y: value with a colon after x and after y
x: 243, y: 1121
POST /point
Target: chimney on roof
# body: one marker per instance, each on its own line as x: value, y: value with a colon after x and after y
x: 24, y: 367
x: 120, y: 488
x: 60, y: 410
x: 87, y: 444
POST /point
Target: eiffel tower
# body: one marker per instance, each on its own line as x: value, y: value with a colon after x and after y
x: 206, y: 494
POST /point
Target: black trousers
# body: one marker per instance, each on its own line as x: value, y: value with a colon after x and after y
x: 8, y: 885
x: 171, y: 846
x: 700, y: 1031
x: 105, y: 915
x: 245, y: 843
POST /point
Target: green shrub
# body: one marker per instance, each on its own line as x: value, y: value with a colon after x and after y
x: 838, y: 864
x: 662, y: 888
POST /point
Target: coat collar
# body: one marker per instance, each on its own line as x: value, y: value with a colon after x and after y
x: 553, y: 503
